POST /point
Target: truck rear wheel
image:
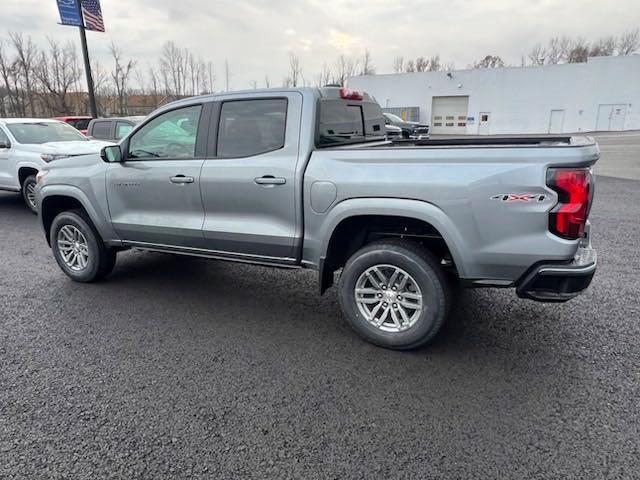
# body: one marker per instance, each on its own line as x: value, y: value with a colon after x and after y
x: 78, y: 248
x: 394, y: 294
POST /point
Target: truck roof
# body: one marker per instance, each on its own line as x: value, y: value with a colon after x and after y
x: 327, y: 92
x: 28, y: 120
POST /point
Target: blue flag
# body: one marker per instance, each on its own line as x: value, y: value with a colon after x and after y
x: 69, y: 14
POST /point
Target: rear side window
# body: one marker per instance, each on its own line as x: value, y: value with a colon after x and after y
x: 343, y: 122
x: 252, y: 127
x: 122, y: 130
x: 81, y: 124
x: 101, y: 130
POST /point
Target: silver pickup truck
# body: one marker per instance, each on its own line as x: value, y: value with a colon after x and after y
x: 304, y: 178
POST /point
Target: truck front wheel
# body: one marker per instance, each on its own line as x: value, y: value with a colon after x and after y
x: 28, y: 190
x: 394, y: 294
x: 78, y: 248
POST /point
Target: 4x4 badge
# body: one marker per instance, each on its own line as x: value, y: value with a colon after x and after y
x: 518, y: 197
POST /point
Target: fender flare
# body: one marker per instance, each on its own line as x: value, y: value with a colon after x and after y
x: 100, y: 222
x: 396, y: 207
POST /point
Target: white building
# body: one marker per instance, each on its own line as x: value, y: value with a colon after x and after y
x: 600, y: 95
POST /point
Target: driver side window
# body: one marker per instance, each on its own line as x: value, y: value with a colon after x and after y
x: 170, y: 135
x: 3, y: 137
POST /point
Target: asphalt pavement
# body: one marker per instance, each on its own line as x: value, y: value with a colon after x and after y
x: 188, y: 368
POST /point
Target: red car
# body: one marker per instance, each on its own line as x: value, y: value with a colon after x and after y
x: 78, y: 122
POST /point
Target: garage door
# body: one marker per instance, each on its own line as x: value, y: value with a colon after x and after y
x: 449, y: 115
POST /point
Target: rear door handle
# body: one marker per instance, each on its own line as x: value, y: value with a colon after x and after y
x: 181, y: 179
x: 270, y: 180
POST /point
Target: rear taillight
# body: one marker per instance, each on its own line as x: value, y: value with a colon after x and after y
x: 574, y: 187
x: 348, y: 94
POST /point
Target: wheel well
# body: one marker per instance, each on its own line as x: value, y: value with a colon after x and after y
x: 355, y: 232
x: 24, y: 172
x: 54, y: 205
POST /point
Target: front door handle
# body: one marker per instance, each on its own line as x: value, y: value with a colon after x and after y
x: 181, y: 179
x: 270, y: 180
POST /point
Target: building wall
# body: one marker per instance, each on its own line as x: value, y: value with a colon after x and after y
x: 520, y: 99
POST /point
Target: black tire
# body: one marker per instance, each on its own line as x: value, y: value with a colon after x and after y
x: 420, y: 264
x: 101, y: 260
x: 29, y: 182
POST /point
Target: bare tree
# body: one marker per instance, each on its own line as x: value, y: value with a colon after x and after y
x: 398, y: 64
x: 410, y: 66
x: 557, y: 50
x: 295, y: 69
x: 10, y: 92
x: 538, y: 55
x: 120, y: 75
x: 267, y: 83
x: 431, y: 64
x: 629, y: 42
x: 101, y: 85
x: 604, y: 47
x: 172, y: 67
x: 324, y: 77
x: 57, y: 71
x: 212, y: 77
x: 422, y: 64
x: 490, y: 61
x: 579, y: 51
x: 435, y: 64
x: 26, y: 53
x: 366, y: 64
x: 154, y: 86
x: 345, y: 67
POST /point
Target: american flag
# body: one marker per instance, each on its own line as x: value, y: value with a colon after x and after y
x: 92, y: 15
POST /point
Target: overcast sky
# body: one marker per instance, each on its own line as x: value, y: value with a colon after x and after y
x: 256, y: 35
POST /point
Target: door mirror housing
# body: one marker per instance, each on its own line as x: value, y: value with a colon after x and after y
x: 111, y: 154
x: 4, y: 144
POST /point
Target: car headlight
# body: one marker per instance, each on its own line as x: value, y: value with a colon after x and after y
x: 50, y: 157
x: 40, y: 175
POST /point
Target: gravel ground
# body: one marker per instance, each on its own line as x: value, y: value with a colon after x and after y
x: 187, y: 368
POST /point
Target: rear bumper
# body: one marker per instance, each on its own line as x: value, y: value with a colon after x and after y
x: 553, y: 282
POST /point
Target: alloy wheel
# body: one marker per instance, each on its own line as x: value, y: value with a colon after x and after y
x: 73, y: 248
x: 388, y: 298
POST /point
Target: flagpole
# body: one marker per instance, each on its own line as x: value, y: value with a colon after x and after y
x: 87, y: 65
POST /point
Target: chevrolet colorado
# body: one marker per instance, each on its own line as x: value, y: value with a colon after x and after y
x: 305, y: 178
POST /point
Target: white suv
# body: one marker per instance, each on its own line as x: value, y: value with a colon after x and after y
x: 27, y: 144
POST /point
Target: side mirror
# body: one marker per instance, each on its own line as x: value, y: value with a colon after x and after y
x: 4, y: 144
x: 111, y: 154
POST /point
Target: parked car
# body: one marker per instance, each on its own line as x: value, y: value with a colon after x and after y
x: 112, y: 129
x: 78, y: 122
x: 393, y: 132
x: 27, y: 145
x: 305, y: 178
x: 410, y: 130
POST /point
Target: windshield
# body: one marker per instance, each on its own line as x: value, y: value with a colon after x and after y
x: 43, y: 132
x: 393, y: 118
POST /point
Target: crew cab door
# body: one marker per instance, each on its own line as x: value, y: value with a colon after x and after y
x: 154, y: 194
x: 6, y: 167
x: 248, y: 181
